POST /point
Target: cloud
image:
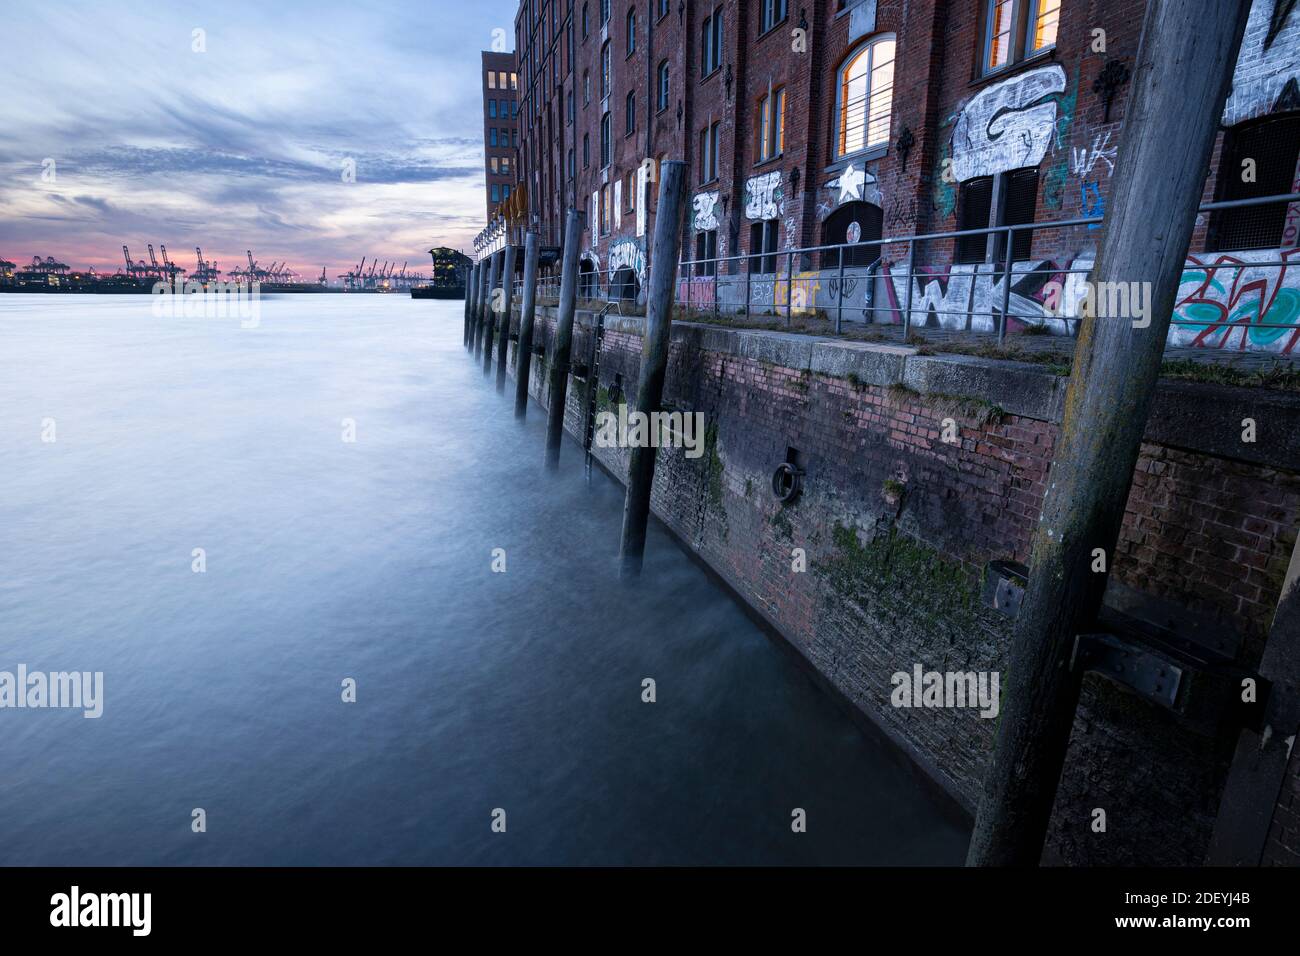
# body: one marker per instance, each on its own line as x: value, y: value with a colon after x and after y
x: 243, y: 146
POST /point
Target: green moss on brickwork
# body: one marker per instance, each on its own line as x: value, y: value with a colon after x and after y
x: 893, y: 564
x: 713, y: 461
x: 972, y: 407
x: 1277, y: 375
x: 781, y: 522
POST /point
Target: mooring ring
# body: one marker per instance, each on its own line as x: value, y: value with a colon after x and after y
x: 787, y: 482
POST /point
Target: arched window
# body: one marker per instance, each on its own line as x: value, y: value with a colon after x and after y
x: 864, y: 96
x: 624, y: 285
x: 631, y: 31
x: 663, y: 85
x: 584, y: 21
x: 604, y: 70
x: 586, y: 87
x: 852, y: 223
x: 630, y: 115
x: 604, y: 141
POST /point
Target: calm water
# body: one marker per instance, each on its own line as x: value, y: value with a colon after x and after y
x: 371, y: 560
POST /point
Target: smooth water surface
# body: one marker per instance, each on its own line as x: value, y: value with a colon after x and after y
x: 371, y: 560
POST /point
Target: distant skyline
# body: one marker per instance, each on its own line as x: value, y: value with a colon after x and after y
x: 115, y: 130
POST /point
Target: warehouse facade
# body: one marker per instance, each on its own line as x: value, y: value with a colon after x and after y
x: 834, y: 121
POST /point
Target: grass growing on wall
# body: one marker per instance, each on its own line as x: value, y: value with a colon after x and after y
x: 894, y: 563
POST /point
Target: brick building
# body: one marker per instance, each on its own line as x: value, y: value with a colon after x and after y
x: 500, y: 127
x: 837, y: 121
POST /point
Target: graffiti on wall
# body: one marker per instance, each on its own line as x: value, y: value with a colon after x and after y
x: 626, y: 254
x: 1229, y: 301
x: 1008, y: 125
x: 1226, y: 300
x: 1267, y: 64
x: 705, y: 211
x: 763, y: 196
x: 1084, y: 159
x: 969, y: 296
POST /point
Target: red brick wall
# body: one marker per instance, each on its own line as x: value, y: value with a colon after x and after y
x: 893, y: 583
x: 939, y: 42
x: 494, y: 64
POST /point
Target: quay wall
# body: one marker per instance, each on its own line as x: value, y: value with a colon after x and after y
x: 899, y: 526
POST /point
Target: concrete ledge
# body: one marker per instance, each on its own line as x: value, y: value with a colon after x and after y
x: 1020, y: 388
x: 1208, y: 418
x: 872, y: 364
x: 1192, y: 416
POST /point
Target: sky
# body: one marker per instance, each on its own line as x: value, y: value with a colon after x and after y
x: 115, y: 129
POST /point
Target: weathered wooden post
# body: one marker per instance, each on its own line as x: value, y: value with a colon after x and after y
x: 503, y: 320
x: 562, y: 345
x: 480, y: 305
x: 471, y: 290
x: 1184, y: 65
x: 524, y: 350
x: 491, y: 307
x: 654, y: 359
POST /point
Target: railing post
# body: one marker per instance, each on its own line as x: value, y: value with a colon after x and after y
x: 907, y: 299
x: 839, y: 307
x: 717, y: 285
x: 563, y: 345
x: 1006, y: 286
x: 524, y: 350
x: 789, y: 289
x: 749, y: 271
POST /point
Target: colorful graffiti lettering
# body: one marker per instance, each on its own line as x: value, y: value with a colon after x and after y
x: 1237, y: 295
x: 1091, y: 202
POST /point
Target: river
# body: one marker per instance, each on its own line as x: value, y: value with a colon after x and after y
x: 131, y: 441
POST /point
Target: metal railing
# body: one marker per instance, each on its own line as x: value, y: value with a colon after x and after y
x: 714, y: 285
x: 788, y: 283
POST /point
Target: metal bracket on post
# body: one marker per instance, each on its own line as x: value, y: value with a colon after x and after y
x: 1151, y: 676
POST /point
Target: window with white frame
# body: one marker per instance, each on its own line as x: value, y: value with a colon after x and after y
x: 772, y: 13
x: 1017, y: 29
x: 865, y: 95
x: 711, y: 43
x: 771, y: 125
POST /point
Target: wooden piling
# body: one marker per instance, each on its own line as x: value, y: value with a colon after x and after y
x: 563, y: 344
x: 490, y: 311
x: 471, y: 287
x: 480, y: 303
x: 1181, y: 76
x: 504, y: 319
x: 524, y: 351
x: 654, y: 359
